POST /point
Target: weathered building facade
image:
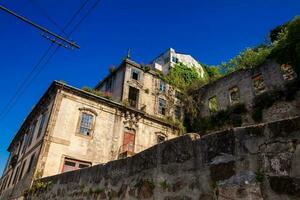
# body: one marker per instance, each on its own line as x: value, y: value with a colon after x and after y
x: 71, y: 129
x: 243, y: 86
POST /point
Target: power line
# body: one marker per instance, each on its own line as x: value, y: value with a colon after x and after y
x: 45, y: 13
x: 72, y: 44
x: 19, y: 92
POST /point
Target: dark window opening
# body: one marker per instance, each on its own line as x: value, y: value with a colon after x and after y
x: 30, y: 163
x: 133, y: 97
x: 162, y: 104
x: 16, y: 175
x: 135, y: 74
x: 43, y: 118
x: 178, y: 112
x: 22, y: 169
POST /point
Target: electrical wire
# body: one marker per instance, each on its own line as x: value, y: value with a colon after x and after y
x: 30, y: 79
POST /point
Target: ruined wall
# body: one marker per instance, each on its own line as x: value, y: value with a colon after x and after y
x: 255, y: 162
x: 242, y: 79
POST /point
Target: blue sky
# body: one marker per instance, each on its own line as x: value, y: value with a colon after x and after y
x: 211, y: 30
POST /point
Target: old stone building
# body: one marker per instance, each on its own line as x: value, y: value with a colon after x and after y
x: 243, y: 86
x: 71, y: 128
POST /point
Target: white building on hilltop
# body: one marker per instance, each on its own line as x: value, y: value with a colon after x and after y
x: 165, y: 61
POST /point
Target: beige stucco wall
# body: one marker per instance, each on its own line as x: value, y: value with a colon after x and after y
x: 106, y: 139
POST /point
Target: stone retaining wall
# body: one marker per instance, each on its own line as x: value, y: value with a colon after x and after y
x: 255, y: 162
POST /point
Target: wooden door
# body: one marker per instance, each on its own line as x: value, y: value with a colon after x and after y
x: 128, y: 141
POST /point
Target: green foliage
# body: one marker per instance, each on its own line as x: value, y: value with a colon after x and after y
x: 176, y: 123
x: 182, y: 76
x: 164, y: 184
x: 213, y: 72
x: 249, y: 58
x: 287, y: 47
x: 38, y: 186
x: 106, y: 95
x: 232, y: 117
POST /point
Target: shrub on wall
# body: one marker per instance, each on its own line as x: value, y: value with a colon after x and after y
x: 268, y: 98
x: 231, y: 117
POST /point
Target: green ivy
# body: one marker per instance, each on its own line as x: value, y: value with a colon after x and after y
x: 182, y: 76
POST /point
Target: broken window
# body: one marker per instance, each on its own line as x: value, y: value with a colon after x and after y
x: 288, y: 72
x: 86, y: 124
x: 258, y: 83
x: 178, y: 112
x: 133, y: 97
x: 71, y: 164
x: 234, y: 95
x: 213, y: 104
x: 162, y: 104
x: 162, y: 86
x: 135, y: 74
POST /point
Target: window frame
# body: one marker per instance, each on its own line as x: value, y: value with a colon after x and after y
x: 231, y: 91
x: 209, y: 104
x: 76, y: 162
x: 160, y: 109
x: 41, y: 125
x: 137, y: 72
x: 162, y: 86
x: 253, y: 79
x: 86, y: 111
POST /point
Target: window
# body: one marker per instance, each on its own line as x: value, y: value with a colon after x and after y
x: 162, y: 104
x: 213, y: 104
x: 86, y: 124
x: 234, y: 95
x: 288, y: 72
x: 258, y: 84
x: 135, y: 74
x: 30, y: 163
x: 160, y: 139
x: 42, y: 122
x: 174, y: 59
x: 22, y: 169
x: 178, y: 112
x: 25, y: 143
x: 133, y: 97
x: 31, y: 132
x: 162, y: 86
x: 71, y: 164
x: 16, y: 175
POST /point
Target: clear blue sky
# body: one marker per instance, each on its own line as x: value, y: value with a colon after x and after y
x: 211, y: 30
